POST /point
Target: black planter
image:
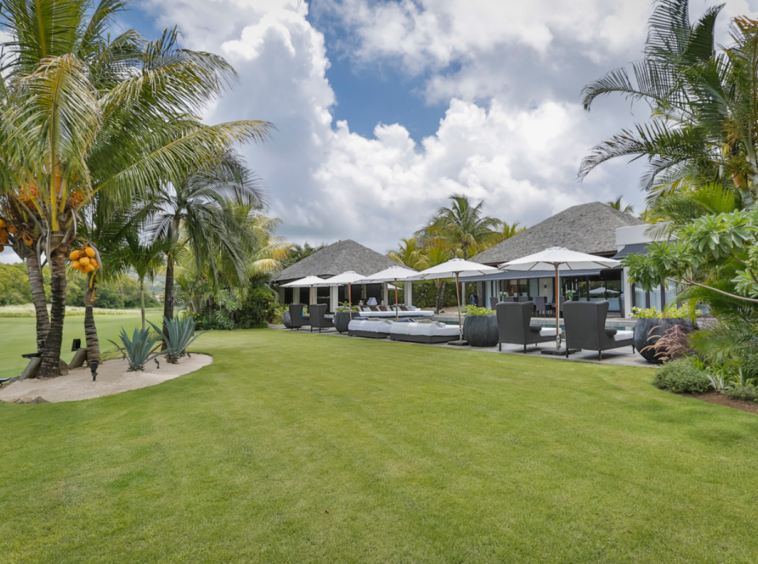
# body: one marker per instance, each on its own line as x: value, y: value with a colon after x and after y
x: 342, y: 320
x: 286, y: 319
x: 480, y: 330
x: 648, y: 329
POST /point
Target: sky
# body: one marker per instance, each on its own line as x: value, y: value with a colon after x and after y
x: 384, y: 108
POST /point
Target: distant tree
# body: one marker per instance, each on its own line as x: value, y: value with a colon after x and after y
x: 462, y: 227
x: 617, y: 205
x: 299, y: 252
x: 506, y: 231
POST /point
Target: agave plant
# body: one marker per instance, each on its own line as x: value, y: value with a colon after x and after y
x: 180, y: 334
x: 140, y: 349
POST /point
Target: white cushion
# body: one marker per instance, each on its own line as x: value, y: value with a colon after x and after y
x: 547, y: 332
x: 372, y: 325
x: 424, y: 329
x: 623, y: 335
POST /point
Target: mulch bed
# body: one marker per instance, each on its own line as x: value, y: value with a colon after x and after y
x: 721, y: 399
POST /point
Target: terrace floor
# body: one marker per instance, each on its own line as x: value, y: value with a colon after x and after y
x: 623, y: 356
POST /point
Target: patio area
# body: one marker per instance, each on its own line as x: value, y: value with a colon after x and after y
x: 622, y: 356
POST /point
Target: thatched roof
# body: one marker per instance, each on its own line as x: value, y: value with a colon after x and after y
x: 336, y: 259
x: 587, y: 228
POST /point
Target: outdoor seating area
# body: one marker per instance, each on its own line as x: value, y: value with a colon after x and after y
x: 584, y: 321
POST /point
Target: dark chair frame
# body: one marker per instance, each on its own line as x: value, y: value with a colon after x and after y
x: 585, y: 328
x: 318, y: 317
x: 297, y: 319
x: 514, y: 325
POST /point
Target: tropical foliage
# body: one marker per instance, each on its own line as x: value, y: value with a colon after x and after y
x: 88, y: 114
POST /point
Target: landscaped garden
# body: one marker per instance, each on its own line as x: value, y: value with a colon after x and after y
x: 306, y: 448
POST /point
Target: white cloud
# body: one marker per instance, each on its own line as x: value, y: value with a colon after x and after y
x: 329, y: 183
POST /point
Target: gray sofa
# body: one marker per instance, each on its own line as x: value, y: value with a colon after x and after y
x: 585, y: 328
x: 515, y: 328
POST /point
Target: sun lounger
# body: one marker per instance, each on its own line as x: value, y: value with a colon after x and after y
x: 369, y: 328
x: 424, y: 332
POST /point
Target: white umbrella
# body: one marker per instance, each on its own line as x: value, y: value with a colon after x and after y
x: 558, y: 259
x: 452, y: 269
x: 308, y: 281
x: 391, y: 274
x: 347, y: 277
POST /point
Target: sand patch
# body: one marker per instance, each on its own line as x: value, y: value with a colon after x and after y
x: 112, y: 378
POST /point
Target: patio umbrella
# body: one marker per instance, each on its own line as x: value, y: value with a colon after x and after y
x: 391, y: 274
x: 558, y: 259
x: 347, y: 277
x: 308, y: 281
x: 452, y: 269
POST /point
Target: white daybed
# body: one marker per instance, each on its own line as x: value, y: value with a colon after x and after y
x: 370, y: 328
x: 424, y: 332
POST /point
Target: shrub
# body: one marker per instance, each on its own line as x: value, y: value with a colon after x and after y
x: 672, y: 345
x: 681, y: 376
x: 474, y: 310
x: 139, y: 349
x: 684, y: 312
x: 180, y: 335
x: 745, y: 393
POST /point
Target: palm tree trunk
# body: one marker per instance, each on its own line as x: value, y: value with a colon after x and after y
x: 440, y: 294
x: 142, y: 301
x: 51, y: 357
x: 36, y: 282
x: 168, y: 297
x: 90, y: 330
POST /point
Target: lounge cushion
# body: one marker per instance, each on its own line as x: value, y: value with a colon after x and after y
x: 371, y: 325
x: 433, y: 329
x: 623, y: 335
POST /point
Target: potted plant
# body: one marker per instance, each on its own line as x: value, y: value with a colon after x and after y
x: 342, y: 316
x: 480, y: 327
x: 652, y: 324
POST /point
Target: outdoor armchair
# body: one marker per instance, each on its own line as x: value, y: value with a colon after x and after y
x: 318, y: 317
x: 540, y: 305
x: 585, y: 328
x: 493, y: 303
x: 515, y: 328
x: 297, y: 319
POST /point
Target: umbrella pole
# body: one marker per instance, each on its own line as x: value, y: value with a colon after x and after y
x: 350, y: 299
x: 557, y: 312
x: 396, y: 313
x: 458, y: 295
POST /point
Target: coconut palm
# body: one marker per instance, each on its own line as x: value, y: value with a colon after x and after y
x: 200, y: 212
x: 83, y: 112
x: 704, y: 104
x: 460, y: 227
x: 409, y: 253
x: 506, y: 231
x: 617, y: 205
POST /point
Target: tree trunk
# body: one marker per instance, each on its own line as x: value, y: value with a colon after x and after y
x: 38, y: 297
x: 168, y: 297
x: 142, y: 301
x: 90, y: 330
x: 440, y: 294
x: 51, y: 356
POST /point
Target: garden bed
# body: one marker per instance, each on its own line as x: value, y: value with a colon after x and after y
x: 721, y: 399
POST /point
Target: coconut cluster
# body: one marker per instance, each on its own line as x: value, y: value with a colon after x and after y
x: 84, y: 260
x: 5, y: 231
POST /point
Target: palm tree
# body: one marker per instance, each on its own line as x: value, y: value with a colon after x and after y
x: 704, y: 105
x: 460, y: 227
x: 409, y: 253
x: 200, y: 212
x: 83, y: 113
x: 617, y: 205
x: 506, y: 231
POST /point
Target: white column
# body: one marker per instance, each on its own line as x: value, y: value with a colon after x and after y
x: 627, y: 294
x: 385, y: 294
x: 408, y: 293
x: 295, y: 295
x: 334, y: 297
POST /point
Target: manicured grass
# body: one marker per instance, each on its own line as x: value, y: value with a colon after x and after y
x: 17, y: 337
x: 306, y: 448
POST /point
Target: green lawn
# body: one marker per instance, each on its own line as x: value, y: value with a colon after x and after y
x: 17, y: 337
x: 305, y: 448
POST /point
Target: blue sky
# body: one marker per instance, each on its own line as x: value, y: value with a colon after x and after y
x: 384, y: 108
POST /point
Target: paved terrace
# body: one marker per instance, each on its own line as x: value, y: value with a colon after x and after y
x: 621, y: 357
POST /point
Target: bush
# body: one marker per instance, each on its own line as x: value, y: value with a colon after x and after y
x: 474, y: 310
x: 744, y: 393
x: 681, y: 376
